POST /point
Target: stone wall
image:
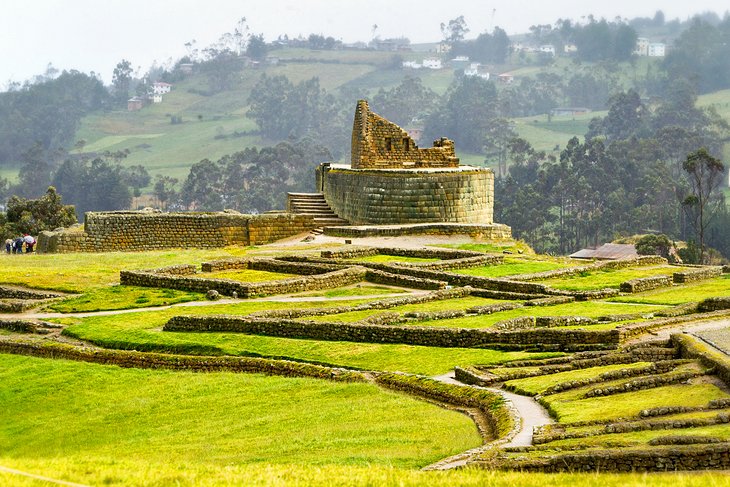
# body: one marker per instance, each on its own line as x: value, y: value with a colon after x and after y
x: 147, y: 230
x: 545, y: 338
x: 388, y: 197
x: 228, y: 287
x: 661, y: 459
x: 645, y: 284
x: 148, y: 360
x: 379, y: 143
x: 698, y: 274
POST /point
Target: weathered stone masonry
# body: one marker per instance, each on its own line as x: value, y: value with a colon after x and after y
x: 144, y: 230
x: 392, y: 182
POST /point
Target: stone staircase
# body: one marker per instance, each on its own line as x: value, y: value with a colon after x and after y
x: 314, y: 204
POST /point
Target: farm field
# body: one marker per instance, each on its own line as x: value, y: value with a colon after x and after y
x: 317, y: 405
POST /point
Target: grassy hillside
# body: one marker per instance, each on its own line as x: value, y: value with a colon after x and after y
x: 213, y: 126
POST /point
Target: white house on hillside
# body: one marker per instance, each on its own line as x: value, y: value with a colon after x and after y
x: 160, y: 87
x: 657, y: 49
x: 548, y: 49
x: 432, y: 63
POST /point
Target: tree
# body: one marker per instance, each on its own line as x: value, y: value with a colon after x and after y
x: 627, y: 117
x: 32, y: 216
x: 164, y: 189
x: 499, y: 133
x: 705, y: 175
x: 121, y: 80
x: 256, y: 47
x: 465, y: 113
x: 455, y: 30
x: 654, y: 245
x: 409, y: 100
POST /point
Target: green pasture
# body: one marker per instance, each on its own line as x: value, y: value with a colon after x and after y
x: 608, y: 278
x: 123, y: 297
x: 216, y: 418
x: 431, y: 306
x: 539, y: 384
x: 517, y: 265
x: 355, y: 290
x: 143, y: 331
x: 79, y: 272
x: 511, y: 246
x: 97, y: 470
x: 246, y: 275
x: 680, y: 294
x: 642, y: 438
x: 589, y: 309
x: 392, y: 258
x: 567, y: 408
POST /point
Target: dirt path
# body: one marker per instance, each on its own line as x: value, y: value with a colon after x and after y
x: 528, y: 414
x: 39, y: 477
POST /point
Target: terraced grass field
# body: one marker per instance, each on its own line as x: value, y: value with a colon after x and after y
x: 103, y: 424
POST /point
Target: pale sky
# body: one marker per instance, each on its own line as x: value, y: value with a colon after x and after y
x: 93, y: 35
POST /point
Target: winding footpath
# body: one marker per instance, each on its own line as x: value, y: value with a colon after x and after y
x: 527, y: 413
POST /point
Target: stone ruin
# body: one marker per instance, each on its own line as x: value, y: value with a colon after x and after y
x: 391, y: 181
x: 380, y: 144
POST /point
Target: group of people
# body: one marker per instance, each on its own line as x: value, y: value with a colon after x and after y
x: 15, y: 245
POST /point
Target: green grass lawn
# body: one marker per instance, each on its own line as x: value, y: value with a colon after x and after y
x: 590, y: 309
x: 81, y: 272
x: 124, y: 297
x: 246, y: 275
x: 80, y: 410
x: 642, y: 438
x: 392, y: 258
x: 356, y: 290
x: 143, y: 331
x: 609, y: 278
x: 539, y: 384
x: 516, y: 265
x: 685, y: 293
x: 512, y: 246
x: 441, y: 305
x: 628, y: 404
x: 94, y: 470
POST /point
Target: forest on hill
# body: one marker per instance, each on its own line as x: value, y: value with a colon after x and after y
x: 248, y: 119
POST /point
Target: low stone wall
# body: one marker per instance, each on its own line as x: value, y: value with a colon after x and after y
x: 643, y: 260
x: 425, y: 253
x: 12, y: 292
x: 228, y: 287
x: 150, y: 360
x: 645, y: 284
x: 145, y: 230
x: 714, y: 456
x: 714, y: 304
x: 698, y: 274
x: 694, y: 348
x: 390, y: 279
x: 411, y: 335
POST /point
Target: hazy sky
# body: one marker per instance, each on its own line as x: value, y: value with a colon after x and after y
x: 93, y: 35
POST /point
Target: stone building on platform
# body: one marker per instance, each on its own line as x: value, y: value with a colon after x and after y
x: 391, y: 181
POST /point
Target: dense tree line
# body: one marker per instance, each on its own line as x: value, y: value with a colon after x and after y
x: 46, y: 114
x: 637, y: 171
x: 253, y: 180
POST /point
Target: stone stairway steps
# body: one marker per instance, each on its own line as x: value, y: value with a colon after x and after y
x: 315, y: 205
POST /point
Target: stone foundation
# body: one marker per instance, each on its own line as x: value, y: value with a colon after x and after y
x: 402, y: 196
